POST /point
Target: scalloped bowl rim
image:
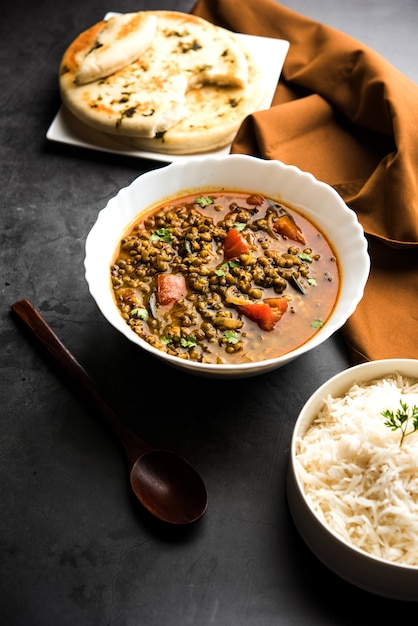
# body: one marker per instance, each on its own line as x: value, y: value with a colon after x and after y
x: 287, y: 183
x: 370, y: 573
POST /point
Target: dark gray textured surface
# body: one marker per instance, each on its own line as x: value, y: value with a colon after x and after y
x: 75, y: 549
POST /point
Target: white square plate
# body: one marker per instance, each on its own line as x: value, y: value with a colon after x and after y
x: 66, y: 128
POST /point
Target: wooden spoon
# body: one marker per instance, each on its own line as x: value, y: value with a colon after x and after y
x: 164, y: 482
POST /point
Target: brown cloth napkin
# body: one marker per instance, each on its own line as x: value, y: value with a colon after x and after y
x: 345, y: 114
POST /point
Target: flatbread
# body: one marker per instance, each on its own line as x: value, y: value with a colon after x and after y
x: 121, y: 40
x: 186, y: 92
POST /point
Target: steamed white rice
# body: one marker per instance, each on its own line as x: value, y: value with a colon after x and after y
x: 358, y: 479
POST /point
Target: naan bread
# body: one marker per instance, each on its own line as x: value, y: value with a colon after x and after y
x: 186, y: 92
x: 121, y: 41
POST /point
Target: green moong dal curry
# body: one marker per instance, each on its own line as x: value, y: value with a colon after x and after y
x: 225, y: 277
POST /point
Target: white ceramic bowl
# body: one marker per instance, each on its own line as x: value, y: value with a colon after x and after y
x: 280, y: 182
x: 373, y: 574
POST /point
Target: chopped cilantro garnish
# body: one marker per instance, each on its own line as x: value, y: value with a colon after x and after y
x: 239, y: 226
x: 317, y: 324
x: 223, y: 269
x: 163, y: 234
x: 140, y: 313
x: 203, y: 201
x: 305, y: 257
x: 230, y: 336
x: 189, y: 342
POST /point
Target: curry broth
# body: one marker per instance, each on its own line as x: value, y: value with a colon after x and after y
x: 208, y: 321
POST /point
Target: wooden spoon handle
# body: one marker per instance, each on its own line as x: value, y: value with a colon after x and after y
x: 77, y: 374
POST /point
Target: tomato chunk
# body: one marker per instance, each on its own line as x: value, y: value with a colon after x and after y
x: 235, y: 244
x: 170, y: 288
x: 266, y: 314
x: 285, y: 225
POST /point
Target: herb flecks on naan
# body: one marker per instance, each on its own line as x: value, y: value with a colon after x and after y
x: 187, y: 91
x: 121, y: 41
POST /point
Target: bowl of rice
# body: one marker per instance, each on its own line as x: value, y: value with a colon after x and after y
x: 352, y: 481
